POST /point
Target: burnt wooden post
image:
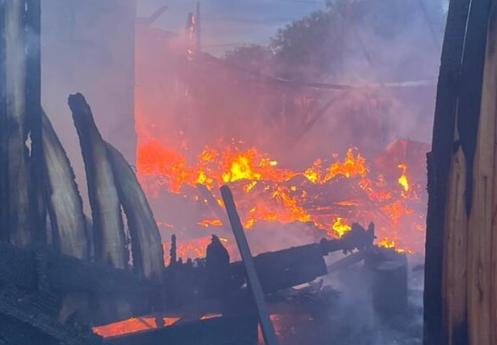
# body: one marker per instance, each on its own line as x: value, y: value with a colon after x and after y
x: 20, y: 121
x: 439, y: 162
x: 459, y: 290
x: 252, y: 278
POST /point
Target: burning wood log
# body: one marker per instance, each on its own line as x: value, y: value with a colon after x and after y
x: 110, y: 244
x: 148, y: 254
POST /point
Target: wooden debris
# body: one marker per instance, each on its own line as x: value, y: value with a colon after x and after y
x: 146, y: 244
x: 67, y: 220
x: 252, y: 278
x: 108, y: 229
x: 63, y: 199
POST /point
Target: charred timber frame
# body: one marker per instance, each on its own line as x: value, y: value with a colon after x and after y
x: 439, y: 162
x: 252, y: 278
x: 460, y: 299
x: 20, y: 122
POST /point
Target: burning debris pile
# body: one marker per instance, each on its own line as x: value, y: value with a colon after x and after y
x: 328, y: 196
x: 67, y: 278
x: 301, y: 161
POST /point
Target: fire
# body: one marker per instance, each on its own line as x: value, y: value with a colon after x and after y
x: 330, y: 193
x: 403, y: 178
x: 131, y: 325
x: 387, y: 243
x: 193, y: 248
x: 340, y: 227
x: 210, y: 222
x: 354, y: 164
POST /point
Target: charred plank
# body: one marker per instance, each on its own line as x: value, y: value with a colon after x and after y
x: 148, y: 254
x: 63, y: 199
x: 110, y: 246
x: 266, y: 324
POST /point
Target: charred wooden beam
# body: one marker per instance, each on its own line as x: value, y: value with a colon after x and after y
x: 108, y: 229
x: 253, y: 282
x: 146, y: 244
x: 20, y: 121
x: 286, y: 268
x: 460, y: 221
x: 439, y: 163
x: 32, y: 32
x: 65, y: 207
x: 64, y: 202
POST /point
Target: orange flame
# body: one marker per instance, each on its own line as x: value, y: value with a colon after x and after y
x: 266, y: 192
x: 403, y: 178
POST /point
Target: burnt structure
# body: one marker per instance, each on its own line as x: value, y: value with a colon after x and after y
x: 460, y: 250
x: 58, y: 281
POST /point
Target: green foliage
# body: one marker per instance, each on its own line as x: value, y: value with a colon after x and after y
x: 318, y: 43
x: 307, y: 41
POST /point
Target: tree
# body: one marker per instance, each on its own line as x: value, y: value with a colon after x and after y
x: 353, y: 32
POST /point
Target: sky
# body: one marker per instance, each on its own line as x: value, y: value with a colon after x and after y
x: 230, y: 23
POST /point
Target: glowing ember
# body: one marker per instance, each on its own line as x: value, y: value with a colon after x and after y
x: 131, y: 325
